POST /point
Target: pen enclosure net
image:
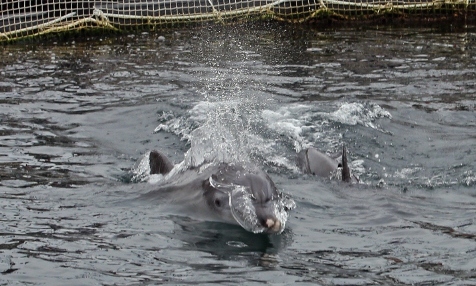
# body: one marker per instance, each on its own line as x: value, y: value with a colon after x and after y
x: 21, y: 18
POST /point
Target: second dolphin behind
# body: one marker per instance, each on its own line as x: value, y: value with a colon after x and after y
x: 311, y: 161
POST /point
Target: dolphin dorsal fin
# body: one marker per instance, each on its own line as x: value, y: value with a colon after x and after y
x: 159, y: 163
x: 345, y: 167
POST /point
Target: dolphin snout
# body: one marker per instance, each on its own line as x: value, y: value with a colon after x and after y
x: 272, y: 225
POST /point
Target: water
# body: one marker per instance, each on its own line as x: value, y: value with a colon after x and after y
x: 77, y: 116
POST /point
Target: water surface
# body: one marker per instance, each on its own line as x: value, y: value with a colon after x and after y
x: 77, y: 116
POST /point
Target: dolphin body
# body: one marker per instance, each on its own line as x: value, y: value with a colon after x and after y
x: 239, y: 194
x: 311, y: 161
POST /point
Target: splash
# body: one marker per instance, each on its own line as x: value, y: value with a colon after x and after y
x: 359, y: 113
x: 292, y: 122
x: 222, y: 135
x: 141, y: 171
x: 224, y: 125
x: 225, y: 130
x: 306, y: 124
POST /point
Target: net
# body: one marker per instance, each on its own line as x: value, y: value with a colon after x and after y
x: 21, y: 19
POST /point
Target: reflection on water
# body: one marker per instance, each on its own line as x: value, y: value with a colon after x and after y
x: 78, y: 115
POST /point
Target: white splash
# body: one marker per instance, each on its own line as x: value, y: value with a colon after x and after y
x: 141, y: 171
x: 358, y: 113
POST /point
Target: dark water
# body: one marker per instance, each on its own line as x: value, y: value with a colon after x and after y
x: 77, y: 116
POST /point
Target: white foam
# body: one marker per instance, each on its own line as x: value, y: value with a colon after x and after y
x: 234, y: 129
x: 141, y: 171
x: 290, y: 121
x: 358, y: 113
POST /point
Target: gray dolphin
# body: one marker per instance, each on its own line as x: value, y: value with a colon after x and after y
x: 239, y: 194
x: 311, y: 161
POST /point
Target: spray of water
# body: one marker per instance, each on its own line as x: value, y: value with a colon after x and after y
x: 230, y: 109
x: 229, y: 130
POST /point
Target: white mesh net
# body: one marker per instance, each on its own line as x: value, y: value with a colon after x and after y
x: 20, y: 18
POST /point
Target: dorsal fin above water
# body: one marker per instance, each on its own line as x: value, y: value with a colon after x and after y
x: 346, y: 177
x: 159, y: 163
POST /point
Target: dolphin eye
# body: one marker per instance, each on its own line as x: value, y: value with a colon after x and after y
x: 217, y: 203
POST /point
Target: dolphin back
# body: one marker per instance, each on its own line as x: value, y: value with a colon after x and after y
x: 311, y: 161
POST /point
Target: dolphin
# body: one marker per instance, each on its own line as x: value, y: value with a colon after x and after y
x: 311, y: 161
x: 240, y: 194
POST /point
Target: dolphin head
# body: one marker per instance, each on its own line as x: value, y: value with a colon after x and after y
x: 232, y: 193
x: 247, y: 197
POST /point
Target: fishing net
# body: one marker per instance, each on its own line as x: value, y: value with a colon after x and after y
x: 21, y: 19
